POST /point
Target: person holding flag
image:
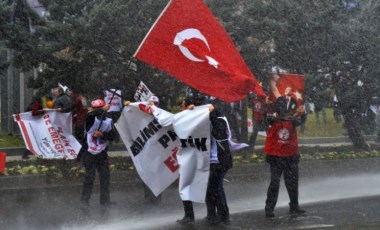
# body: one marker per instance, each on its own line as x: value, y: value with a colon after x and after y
x: 281, y: 148
x: 98, y: 130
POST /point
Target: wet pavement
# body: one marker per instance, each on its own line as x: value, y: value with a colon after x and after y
x: 339, y: 194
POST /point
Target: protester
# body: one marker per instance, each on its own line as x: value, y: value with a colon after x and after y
x: 148, y: 194
x: 220, y: 163
x: 281, y: 147
x: 320, y: 101
x: 99, y: 131
x: 258, y: 118
x: 80, y: 111
x: 306, y: 105
x: 35, y: 107
x: 336, y: 109
x: 63, y: 102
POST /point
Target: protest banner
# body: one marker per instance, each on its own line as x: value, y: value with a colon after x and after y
x: 142, y: 94
x: 48, y: 136
x: 152, y: 147
x: 193, y: 129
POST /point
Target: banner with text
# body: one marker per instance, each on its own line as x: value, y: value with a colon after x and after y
x: 48, y: 136
x: 142, y: 93
x: 193, y: 129
x: 152, y: 147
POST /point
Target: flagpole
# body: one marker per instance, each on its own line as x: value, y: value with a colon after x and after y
x: 104, y: 111
x: 150, y: 30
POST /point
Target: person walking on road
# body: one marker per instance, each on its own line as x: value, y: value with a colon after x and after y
x: 281, y: 148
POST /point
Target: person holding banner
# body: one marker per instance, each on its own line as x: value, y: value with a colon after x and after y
x: 220, y: 163
x: 35, y: 107
x: 99, y: 130
x: 281, y: 148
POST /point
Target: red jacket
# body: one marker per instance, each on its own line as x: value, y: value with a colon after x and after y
x: 282, y: 139
x: 258, y: 109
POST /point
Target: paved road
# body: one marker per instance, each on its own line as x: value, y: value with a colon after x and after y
x: 342, y: 194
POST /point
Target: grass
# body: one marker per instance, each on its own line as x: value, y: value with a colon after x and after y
x: 11, y: 141
x: 312, y: 129
x: 331, y: 129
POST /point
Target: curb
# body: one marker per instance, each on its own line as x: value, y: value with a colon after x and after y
x: 119, y: 147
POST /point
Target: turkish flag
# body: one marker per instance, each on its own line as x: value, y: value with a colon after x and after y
x: 189, y: 43
x: 280, y: 81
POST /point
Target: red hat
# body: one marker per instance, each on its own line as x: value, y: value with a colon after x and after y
x: 98, y: 103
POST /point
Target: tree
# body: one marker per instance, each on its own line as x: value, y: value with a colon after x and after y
x: 337, y: 37
x: 87, y: 45
x: 90, y: 44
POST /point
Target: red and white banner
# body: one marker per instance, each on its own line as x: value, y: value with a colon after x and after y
x: 193, y: 130
x: 152, y: 147
x: 48, y: 136
x: 280, y: 81
x: 188, y: 42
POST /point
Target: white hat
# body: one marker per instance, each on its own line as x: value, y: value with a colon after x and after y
x: 154, y: 99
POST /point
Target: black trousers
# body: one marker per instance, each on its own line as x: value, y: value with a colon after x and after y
x: 256, y: 127
x: 188, y: 207
x: 288, y: 166
x: 216, y: 201
x: 93, y: 163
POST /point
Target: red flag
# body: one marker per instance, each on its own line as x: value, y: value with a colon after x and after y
x: 279, y: 83
x: 189, y: 43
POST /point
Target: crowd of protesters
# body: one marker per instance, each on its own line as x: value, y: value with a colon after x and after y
x: 94, y: 128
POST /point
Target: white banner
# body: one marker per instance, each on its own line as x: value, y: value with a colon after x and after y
x: 143, y: 93
x: 193, y: 128
x: 152, y: 147
x: 48, y: 136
